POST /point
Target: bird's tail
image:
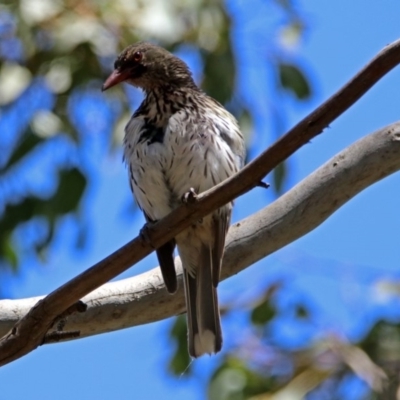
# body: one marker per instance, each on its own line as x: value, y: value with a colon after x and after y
x: 204, y: 325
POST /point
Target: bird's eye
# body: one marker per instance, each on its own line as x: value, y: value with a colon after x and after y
x: 137, y: 57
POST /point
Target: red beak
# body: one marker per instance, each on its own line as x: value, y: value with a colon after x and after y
x: 115, y: 78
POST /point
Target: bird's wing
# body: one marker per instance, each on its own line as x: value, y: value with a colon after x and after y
x: 165, y: 256
x: 220, y: 221
x: 205, y: 152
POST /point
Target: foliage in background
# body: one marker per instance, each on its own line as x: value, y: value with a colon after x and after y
x: 262, y: 364
x: 54, y: 57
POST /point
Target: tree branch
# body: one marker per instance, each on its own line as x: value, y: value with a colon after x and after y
x: 30, y: 331
x: 143, y: 298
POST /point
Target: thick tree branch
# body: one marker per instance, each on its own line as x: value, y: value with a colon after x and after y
x: 30, y: 331
x: 143, y: 299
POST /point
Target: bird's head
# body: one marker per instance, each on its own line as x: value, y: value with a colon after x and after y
x: 149, y: 67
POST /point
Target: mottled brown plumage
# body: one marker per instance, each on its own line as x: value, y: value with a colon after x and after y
x: 180, y: 139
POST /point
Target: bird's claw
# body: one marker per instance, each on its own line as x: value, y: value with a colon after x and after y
x: 189, y: 197
x: 264, y: 185
x: 144, y: 233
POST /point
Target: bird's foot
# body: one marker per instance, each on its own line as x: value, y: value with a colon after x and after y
x: 189, y: 197
x: 264, y: 185
x: 144, y: 233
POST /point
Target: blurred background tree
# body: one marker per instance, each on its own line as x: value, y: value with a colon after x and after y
x: 54, y: 56
x: 56, y: 126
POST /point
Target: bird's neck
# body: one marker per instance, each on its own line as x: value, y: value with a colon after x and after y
x: 160, y: 104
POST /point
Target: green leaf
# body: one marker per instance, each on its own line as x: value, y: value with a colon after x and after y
x: 220, y: 69
x: 302, y: 312
x: 69, y: 193
x: 264, y: 310
x: 84, y: 65
x: 245, y: 120
x: 66, y: 199
x: 294, y: 80
x: 9, y: 254
x: 279, y: 175
x: 29, y: 142
x: 60, y: 108
x: 234, y: 380
x: 263, y: 313
x: 219, y: 76
x: 14, y: 214
x: 180, y: 361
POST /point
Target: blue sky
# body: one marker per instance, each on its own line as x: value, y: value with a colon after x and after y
x: 334, y: 268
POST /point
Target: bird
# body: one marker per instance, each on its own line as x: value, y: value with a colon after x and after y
x: 181, y: 142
